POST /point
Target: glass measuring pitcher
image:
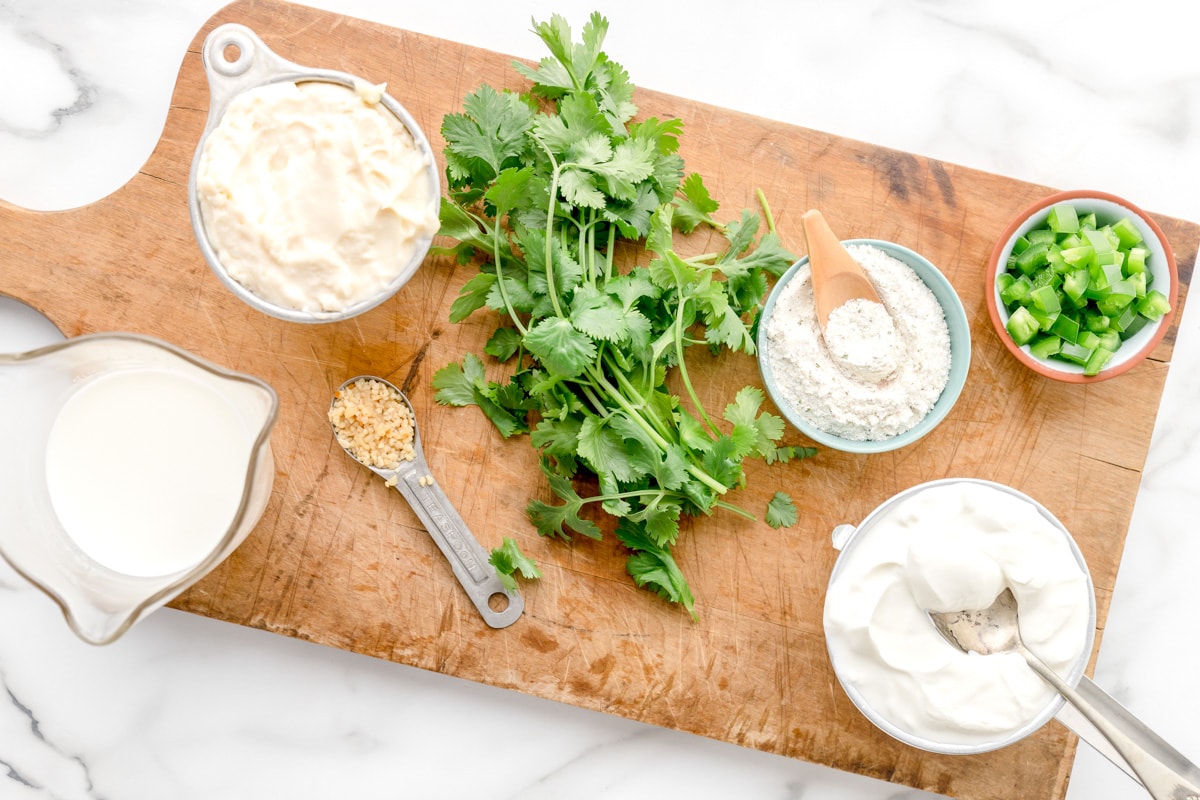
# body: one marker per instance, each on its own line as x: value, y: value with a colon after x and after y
x: 130, y: 468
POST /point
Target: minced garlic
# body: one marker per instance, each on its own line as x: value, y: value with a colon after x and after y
x: 374, y: 424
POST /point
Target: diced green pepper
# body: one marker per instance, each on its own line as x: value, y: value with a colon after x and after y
x: 1045, y: 319
x: 1097, y: 361
x: 1045, y: 299
x: 1063, y: 219
x: 1076, y: 289
x: 1040, y: 236
x: 1044, y: 277
x: 1127, y: 232
x: 1099, y: 240
x: 1135, y: 261
x: 1054, y: 258
x: 1096, y: 322
x: 1080, y: 256
x: 1045, y: 346
x: 1022, y: 326
x: 1065, y: 328
x: 1075, y: 353
x: 1033, y: 258
x: 1017, y: 291
x: 1119, y: 295
x: 1154, y: 305
x: 1133, y: 327
x: 1076, y: 283
x: 1138, y: 281
x: 1110, y: 340
x: 1122, y: 321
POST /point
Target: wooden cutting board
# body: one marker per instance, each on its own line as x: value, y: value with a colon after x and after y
x: 340, y: 559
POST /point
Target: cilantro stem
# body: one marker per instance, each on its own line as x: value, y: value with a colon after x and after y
x: 631, y: 390
x: 608, y: 259
x: 555, y: 171
x: 741, y: 512
x: 552, y: 290
x: 682, y: 364
x: 597, y: 403
x: 497, y: 257
x: 656, y: 493
x: 634, y: 414
x: 762, y: 201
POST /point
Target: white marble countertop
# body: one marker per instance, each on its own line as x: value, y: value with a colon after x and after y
x: 1105, y: 96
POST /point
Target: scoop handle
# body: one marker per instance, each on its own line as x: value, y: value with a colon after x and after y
x: 1163, y: 770
x: 467, y: 558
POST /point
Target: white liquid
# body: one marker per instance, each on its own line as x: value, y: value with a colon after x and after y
x: 146, y: 470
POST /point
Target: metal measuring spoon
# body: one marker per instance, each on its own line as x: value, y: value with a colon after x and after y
x: 1165, y: 773
x: 467, y: 557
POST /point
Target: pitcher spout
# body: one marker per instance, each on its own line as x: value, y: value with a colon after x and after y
x: 136, y: 468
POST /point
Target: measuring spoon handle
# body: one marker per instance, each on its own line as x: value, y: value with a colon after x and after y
x: 1163, y: 770
x: 467, y: 557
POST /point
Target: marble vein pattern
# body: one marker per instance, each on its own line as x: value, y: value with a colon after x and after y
x: 1106, y: 97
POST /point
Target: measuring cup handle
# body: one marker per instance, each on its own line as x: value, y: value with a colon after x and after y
x: 467, y: 557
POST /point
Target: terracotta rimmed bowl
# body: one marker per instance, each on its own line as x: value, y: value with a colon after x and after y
x: 1108, y: 209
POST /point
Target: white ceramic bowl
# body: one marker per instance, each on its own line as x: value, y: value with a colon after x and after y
x: 847, y: 537
x: 1108, y: 209
x: 960, y: 355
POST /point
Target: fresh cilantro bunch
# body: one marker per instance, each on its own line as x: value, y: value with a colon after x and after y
x: 543, y: 188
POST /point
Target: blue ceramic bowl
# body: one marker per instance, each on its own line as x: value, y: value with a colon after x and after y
x: 960, y: 355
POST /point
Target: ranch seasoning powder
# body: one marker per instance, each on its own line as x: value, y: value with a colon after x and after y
x: 849, y: 403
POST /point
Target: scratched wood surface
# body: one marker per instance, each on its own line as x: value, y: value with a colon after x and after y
x: 340, y: 559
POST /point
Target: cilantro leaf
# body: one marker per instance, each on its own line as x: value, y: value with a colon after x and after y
x: 509, y: 560
x: 760, y: 432
x: 598, y: 315
x: 555, y: 520
x: 782, y: 455
x: 503, y: 344
x: 487, y: 135
x: 653, y: 567
x: 781, y: 511
x: 562, y: 348
x: 603, y: 448
x: 509, y: 189
x: 455, y: 383
x: 466, y: 385
x: 472, y: 297
x: 695, y: 206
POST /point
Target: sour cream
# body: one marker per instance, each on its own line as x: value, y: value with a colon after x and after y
x: 949, y: 547
x: 314, y: 196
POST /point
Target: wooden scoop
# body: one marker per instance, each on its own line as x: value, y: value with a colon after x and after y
x: 836, y: 276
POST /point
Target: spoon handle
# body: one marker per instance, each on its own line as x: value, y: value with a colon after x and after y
x: 1163, y: 770
x: 467, y: 558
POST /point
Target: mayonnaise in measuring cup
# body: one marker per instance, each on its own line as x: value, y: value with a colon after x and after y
x: 313, y: 195
x: 951, y: 547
